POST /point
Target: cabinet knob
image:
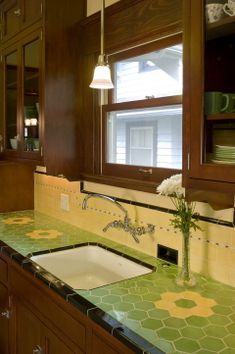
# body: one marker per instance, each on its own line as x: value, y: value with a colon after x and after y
x: 37, y: 350
x: 17, y: 12
x: 6, y: 314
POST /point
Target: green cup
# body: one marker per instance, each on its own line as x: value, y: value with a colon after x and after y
x: 216, y: 102
x: 231, y: 103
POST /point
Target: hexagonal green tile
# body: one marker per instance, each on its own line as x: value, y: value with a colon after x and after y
x: 158, y: 313
x: 222, y: 310
x: 185, y: 303
x: 151, y: 297
x: 211, y: 343
x: 215, y: 331
x: 168, y: 333
x: 197, y: 321
x: 94, y: 299
x: 132, y: 298
x: 225, y: 351
x: 192, y: 332
x: 111, y: 299
x: 123, y: 306
x: 138, y: 291
x: 151, y: 324
x: 187, y: 345
x: 174, y: 322
x: 230, y: 341
x: 144, y: 305
x: 220, y: 320
x: 137, y: 315
x: 232, y: 317
x: 119, y: 291
x: 231, y: 328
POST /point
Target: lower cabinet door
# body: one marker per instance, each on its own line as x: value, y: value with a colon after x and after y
x: 55, y: 344
x: 100, y: 346
x: 34, y: 337
x: 28, y: 331
x: 4, y: 320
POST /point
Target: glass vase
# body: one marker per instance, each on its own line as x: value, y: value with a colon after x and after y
x: 185, y: 277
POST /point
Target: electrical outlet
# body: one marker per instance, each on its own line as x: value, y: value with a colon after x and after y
x: 167, y: 254
x: 64, y: 201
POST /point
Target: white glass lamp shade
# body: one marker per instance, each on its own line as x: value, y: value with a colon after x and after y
x: 102, y: 77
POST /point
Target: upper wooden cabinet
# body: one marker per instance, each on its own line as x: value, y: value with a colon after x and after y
x: 209, y: 99
x: 39, y: 86
x: 16, y: 15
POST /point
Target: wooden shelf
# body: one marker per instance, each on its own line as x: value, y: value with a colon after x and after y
x: 221, y: 116
x: 221, y: 28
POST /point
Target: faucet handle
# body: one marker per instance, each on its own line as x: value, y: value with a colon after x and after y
x: 150, y: 228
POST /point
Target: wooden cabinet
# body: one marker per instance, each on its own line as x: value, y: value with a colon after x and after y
x: 16, y: 15
x: 38, y: 89
x: 209, y: 57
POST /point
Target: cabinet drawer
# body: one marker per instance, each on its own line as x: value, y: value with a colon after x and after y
x: 3, y: 271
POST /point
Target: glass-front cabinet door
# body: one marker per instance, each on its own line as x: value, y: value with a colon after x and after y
x: 209, y: 85
x: 22, y: 98
x: 31, y: 63
x: 11, y: 100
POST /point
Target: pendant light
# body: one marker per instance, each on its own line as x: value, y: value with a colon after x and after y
x: 102, y: 74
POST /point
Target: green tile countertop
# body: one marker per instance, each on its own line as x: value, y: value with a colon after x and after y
x: 176, y: 320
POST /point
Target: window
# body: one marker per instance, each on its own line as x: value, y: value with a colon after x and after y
x: 142, y: 124
x: 145, y: 137
x: 150, y: 75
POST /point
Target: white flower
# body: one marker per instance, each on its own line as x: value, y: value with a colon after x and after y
x: 172, y: 187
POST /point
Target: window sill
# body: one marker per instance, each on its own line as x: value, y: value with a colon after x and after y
x: 144, y: 186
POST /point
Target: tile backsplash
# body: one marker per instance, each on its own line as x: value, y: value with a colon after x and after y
x: 212, y: 248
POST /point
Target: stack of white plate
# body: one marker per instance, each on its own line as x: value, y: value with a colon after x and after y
x: 224, y: 154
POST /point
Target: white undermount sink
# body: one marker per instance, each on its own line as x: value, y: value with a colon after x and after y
x: 89, y: 266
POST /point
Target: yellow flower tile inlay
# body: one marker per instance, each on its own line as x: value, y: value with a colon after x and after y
x: 18, y: 221
x: 44, y: 234
x: 186, y: 304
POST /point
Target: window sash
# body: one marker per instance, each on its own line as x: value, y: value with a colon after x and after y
x: 131, y: 171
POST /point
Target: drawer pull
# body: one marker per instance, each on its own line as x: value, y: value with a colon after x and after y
x: 148, y: 171
x: 37, y: 350
x: 17, y: 12
x: 6, y: 314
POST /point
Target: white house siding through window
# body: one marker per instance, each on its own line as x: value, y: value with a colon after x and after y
x: 155, y: 74
x: 146, y: 137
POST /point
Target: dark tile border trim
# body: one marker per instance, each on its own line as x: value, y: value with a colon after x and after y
x: 163, y: 210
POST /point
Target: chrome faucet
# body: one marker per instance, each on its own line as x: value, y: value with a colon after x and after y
x: 125, y: 224
x: 103, y: 196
